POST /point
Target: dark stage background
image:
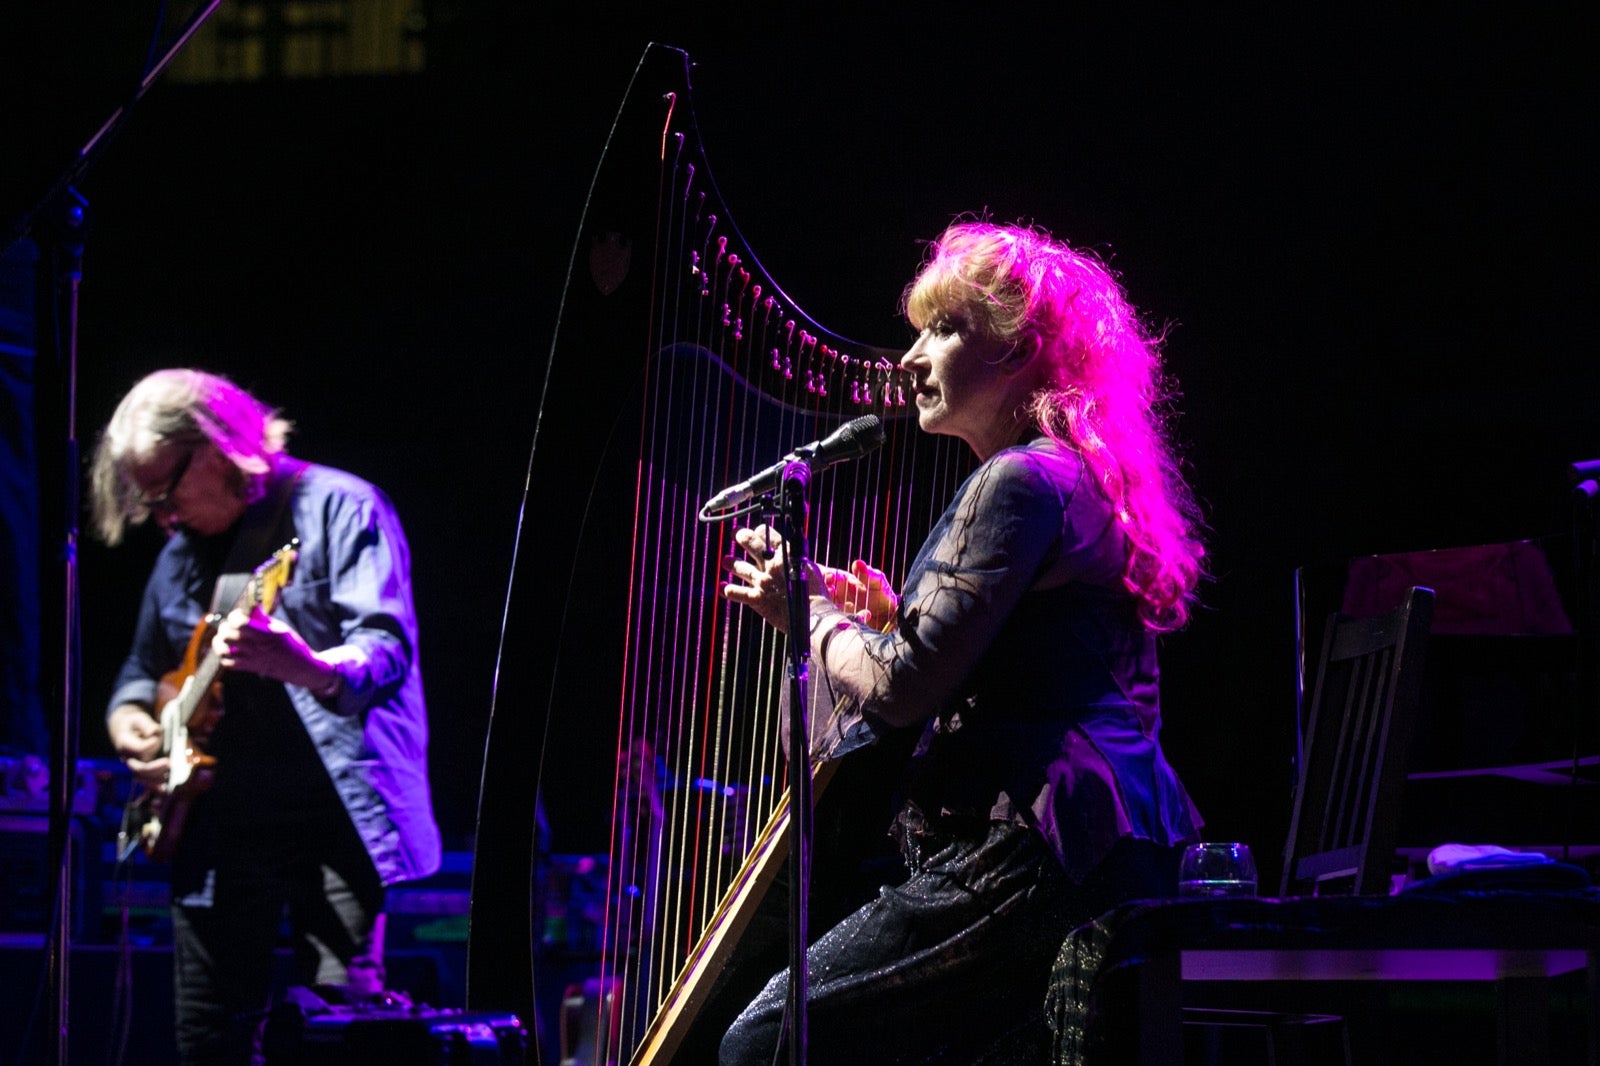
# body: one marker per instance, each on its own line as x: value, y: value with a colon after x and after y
x: 1372, y: 238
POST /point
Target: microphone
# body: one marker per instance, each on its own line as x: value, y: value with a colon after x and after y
x: 850, y: 441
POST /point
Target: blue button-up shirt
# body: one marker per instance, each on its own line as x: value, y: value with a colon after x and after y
x: 350, y: 590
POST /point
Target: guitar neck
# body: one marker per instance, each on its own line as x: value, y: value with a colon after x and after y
x: 205, y: 674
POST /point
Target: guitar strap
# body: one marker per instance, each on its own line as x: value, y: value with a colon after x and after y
x: 260, y: 534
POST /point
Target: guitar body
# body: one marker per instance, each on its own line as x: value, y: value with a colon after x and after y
x: 183, y: 737
x: 191, y: 706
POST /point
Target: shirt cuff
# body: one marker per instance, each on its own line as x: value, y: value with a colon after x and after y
x: 349, y: 677
x: 142, y: 691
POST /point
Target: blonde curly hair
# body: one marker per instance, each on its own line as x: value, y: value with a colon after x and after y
x: 1107, y: 398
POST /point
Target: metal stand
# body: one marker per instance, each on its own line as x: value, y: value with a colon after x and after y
x: 59, y: 224
x: 790, y: 478
x: 796, y: 487
x: 61, y: 267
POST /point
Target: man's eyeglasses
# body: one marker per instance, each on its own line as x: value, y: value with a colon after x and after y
x: 164, y: 497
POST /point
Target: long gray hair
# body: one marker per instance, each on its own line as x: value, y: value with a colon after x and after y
x: 174, y: 407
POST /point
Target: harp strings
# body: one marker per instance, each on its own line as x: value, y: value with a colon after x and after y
x: 732, y: 379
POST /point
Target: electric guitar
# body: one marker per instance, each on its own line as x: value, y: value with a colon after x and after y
x: 191, y: 705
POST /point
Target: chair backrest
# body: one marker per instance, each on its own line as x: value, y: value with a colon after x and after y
x: 1346, y: 809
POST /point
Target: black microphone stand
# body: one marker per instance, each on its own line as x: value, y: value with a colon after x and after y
x: 795, y: 489
x: 61, y: 233
x: 60, y: 222
x: 789, y: 515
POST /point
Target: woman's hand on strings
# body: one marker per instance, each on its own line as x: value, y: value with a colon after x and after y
x: 863, y: 593
x: 758, y: 579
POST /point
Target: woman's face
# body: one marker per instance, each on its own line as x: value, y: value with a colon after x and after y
x: 969, y: 384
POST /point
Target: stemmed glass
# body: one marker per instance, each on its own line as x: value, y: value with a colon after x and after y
x: 1216, y: 871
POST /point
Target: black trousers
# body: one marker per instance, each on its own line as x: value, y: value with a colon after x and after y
x: 231, y: 894
x: 952, y: 966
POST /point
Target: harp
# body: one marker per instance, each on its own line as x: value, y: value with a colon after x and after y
x: 634, y: 708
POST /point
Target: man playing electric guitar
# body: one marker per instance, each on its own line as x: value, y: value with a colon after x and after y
x: 319, y: 793
x: 190, y: 698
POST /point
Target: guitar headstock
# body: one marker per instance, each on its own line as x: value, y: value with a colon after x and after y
x: 272, y: 576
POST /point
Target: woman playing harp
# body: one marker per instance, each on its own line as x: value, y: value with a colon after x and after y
x: 1023, y: 645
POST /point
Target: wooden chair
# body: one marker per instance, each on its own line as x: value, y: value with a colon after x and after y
x: 1124, y: 976
x: 1363, y: 710
x: 1368, y: 689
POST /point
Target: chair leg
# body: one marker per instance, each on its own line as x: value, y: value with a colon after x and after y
x: 1522, y: 1009
x: 1160, y: 1011
x: 1592, y: 1030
